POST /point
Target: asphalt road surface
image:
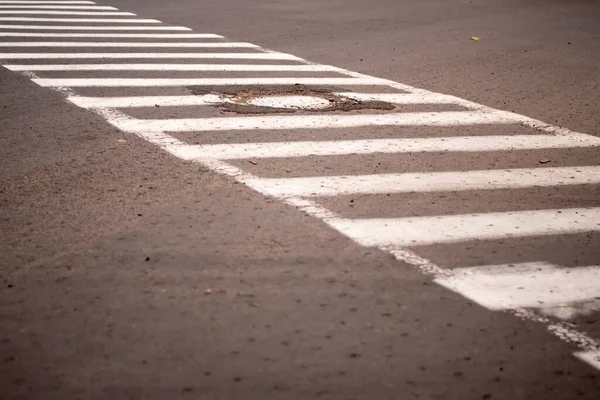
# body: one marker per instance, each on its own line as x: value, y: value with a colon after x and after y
x: 283, y: 199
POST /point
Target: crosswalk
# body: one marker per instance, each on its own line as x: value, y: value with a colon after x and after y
x: 415, y: 173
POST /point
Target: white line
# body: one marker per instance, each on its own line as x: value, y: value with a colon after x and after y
x: 345, y: 147
x: 44, y: 2
x: 406, y: 98
x: 417, y: 231
x: 592, y: 357
x: 87, y: 28
x: 429, y: 181
x: 57, y: 7
x: 450, y: 118
x: 90, y: 20
x: 128, y: 44
x: 233, y: 56
x: 151, y: 82
x: 117, y: 35
x: 527, y: 285
x: 92, y: 28
x: 144, y: 101
x: 108, y: 13
x: 167, y: 67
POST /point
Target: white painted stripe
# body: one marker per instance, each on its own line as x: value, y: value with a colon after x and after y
x: 44, y: 12
x: 118, y: 35
x: 168, y: 67
x: 88, y: 28
x: 144, y: 101
x: 44, y: 2
x: 592, y: 357
x: 404, y: 98
x: 450, y: 118
x: 416, y: 231
x: 129, y: 44
x: 90, y: 20
x: 239, y: 56
x: 57, y: 7
x: 369, y: 146
x: 429, y: 181
x: 572, y: 310
x: 526, y: 285
x: 150, y: 82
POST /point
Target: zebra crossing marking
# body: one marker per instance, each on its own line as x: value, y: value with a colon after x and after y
x: 591, y: 357
x: 89, y: 20
x: 395, y: 235
x: 47, y: 12
x: 150, y: 82
x: 45, y: 6
x: 86, y: 28
x: 448, y: 118
x: 207, y: 45
x: 230, y: 56
x: 181, y: 100
x: 516, y: 178
x: 351, y: 147
x: 45, y: 2
x: 116, y: 35
x: 526, y: 285
x: 438, y: 229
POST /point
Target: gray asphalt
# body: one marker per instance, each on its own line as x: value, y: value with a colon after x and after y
x: 130, y: 274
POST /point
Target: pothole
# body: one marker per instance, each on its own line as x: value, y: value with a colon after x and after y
x: 287, y: 99
x: 290, y: 102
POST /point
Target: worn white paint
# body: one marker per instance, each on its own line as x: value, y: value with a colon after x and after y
x: 44, y: 2
x: 517, y: 178
x: 117, y: 35
x: 150, y: 82
x: 416, y: 231
x: 56, y: 83
x: 88, y: 28
x: 46, y: 12
x: 365, y: 146
x: 169, y: 67
x: 54, y: 7
x: 592, y: 357
x: 144, y: 101
x: 130, y: 44
x: 404, y: 98
x: 304, y: 121
x: 90, y: 20
x: 525, y: 285
x: 570, y: 311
